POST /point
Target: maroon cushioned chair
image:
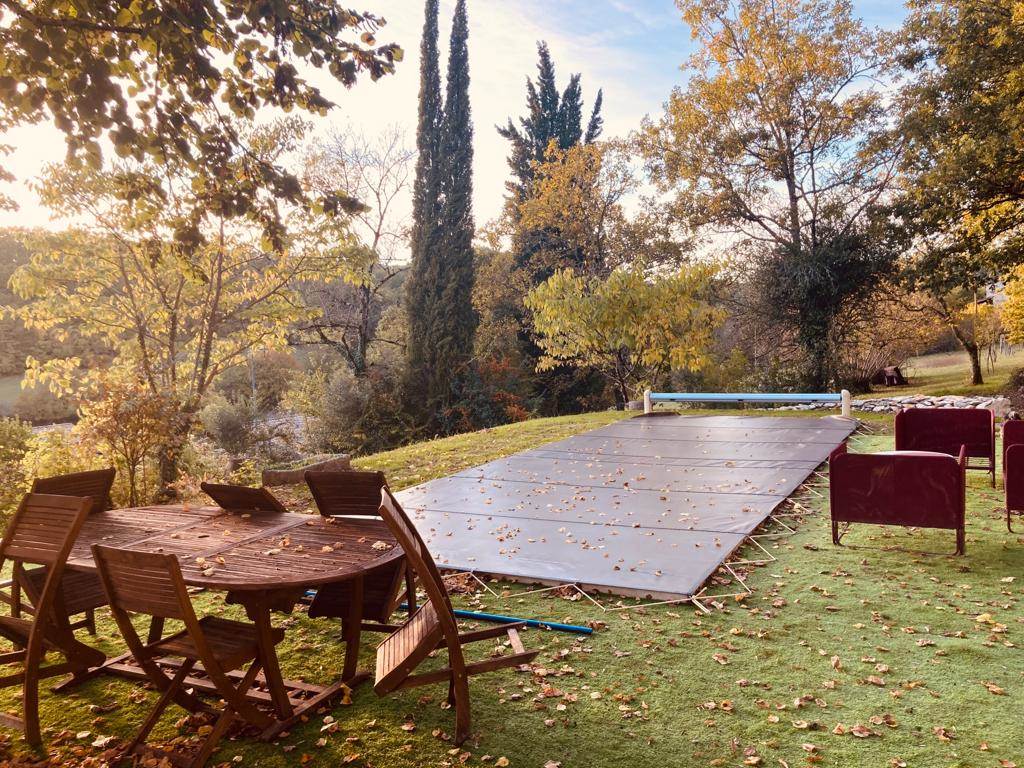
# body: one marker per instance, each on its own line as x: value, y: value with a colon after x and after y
x: 946, y: 430
x: 1013, y: 468
x: 911, y: 488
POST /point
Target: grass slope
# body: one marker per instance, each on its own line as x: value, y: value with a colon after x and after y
x: 949, y: 373
x: 841, y: 657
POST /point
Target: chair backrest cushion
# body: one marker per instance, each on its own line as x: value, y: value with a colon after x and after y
x: 346, y: 492
x: 95, y: 484
x: 149, y: 583
x: 916, y: 488
x: 944, y: 430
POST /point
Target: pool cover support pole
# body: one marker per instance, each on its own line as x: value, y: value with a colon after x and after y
x: 648, y: 405
x: 847, y: 404
x: 499, y: 619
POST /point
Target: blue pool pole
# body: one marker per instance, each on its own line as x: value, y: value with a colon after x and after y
x: 499, y: 619
x: 536, y: 623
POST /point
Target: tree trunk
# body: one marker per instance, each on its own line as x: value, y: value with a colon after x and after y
x: 973, y: 351
x: 975, y: 355
x: 169, y: 456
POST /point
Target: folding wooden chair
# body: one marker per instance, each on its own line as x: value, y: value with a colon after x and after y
x: 151, y: 584
x: 242, y: 498
x: 433, y: 626
x: 42, y: 532
x: 343, y: 493
x: 82, y: 591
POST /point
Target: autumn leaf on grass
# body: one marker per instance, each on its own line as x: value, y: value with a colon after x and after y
x: 862, y: 731
x: 994, y: 689
x: 944, y: 734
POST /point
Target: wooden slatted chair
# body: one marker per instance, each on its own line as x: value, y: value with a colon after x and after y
x: 42, y: 532
x: 341, y: 493
x: 242, y: 498
x: 151, y: 584
x: 82, y: 591
x: 432, y: 626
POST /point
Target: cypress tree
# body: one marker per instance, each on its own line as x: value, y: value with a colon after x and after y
x: 426, y: 204
x: 457, y: 320
x: 442, y: 321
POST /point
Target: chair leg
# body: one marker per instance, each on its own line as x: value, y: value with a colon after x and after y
x: 961, y: 541
x: 460, y: 689
x: 15, y: 597
x: 219, y: 729
x: 165, y: 699
x: 90, y: 621
x: 156, y: 630
x: 410, y: 589
x: 30, y: 698
x: 835, y: 533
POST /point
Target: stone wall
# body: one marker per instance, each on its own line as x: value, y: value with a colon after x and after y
x: 1000, y: 405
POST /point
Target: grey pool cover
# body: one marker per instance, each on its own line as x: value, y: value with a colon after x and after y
x: 646, y: 506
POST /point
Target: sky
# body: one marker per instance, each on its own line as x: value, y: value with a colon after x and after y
x: 632, y: 49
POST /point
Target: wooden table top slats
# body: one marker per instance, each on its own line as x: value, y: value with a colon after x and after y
x: 222, y: 550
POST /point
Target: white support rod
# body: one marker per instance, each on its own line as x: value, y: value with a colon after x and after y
x: 847, y: 404
x: 648, y: 405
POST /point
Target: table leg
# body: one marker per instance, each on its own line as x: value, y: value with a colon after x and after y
x: 156, y: 630
x: 258, y: 609
x: 352, y: 627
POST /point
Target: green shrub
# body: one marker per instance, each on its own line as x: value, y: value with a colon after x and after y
x: 14, y: 441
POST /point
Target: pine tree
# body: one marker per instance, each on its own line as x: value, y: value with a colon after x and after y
x: 425, y: 236
x: 548, y: 116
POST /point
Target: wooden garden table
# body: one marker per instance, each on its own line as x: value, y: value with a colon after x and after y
x: 265, y: 561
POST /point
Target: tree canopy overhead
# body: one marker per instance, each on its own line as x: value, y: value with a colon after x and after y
x: 960, y: 207
x: 161, y: 81
x: 962, y: 125
x: 772, y: 142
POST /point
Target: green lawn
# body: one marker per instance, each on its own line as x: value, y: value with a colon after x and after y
x: 841, y: 657
x: 949, y: 373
